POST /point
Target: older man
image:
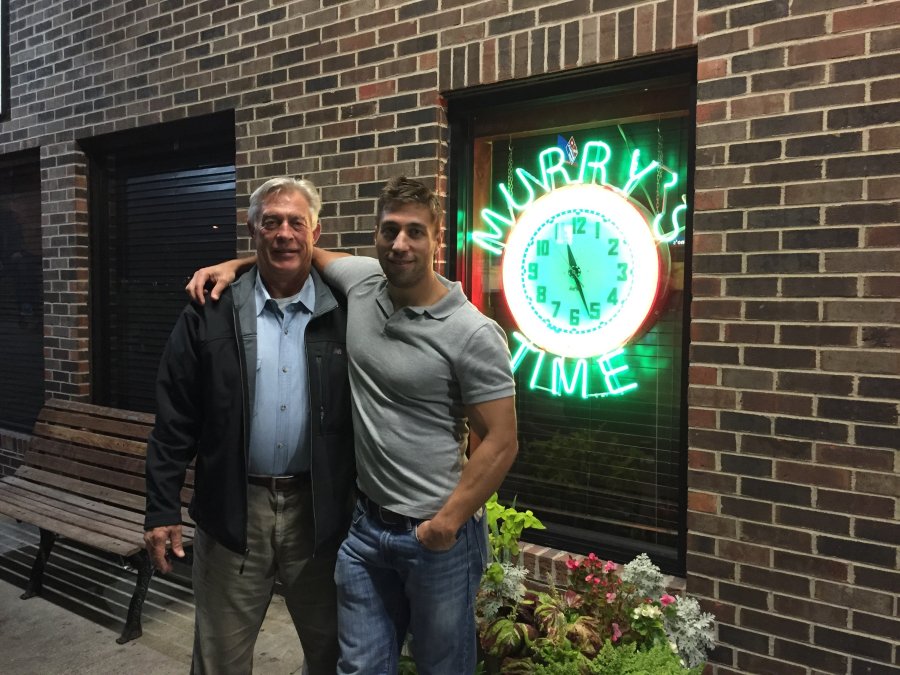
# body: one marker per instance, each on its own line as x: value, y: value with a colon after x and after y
x: 255, y: 388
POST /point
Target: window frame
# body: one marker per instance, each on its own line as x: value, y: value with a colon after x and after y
x: 465, y: 112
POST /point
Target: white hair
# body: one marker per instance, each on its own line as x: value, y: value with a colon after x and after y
x: 284, y: 184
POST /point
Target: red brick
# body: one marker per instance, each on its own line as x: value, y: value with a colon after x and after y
x: 827, y: 49
x: 861, y: 18
x: 377, y: 89
x: 789, y: 29
x: 793, y: 472
x: 702, y: 501
x: 757, y: 106
x: 711, y: 69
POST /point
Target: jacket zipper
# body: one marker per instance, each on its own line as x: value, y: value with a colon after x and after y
x: 242, y: 363
x: 321, y: 392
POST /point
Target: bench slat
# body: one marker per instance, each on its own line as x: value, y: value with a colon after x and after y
x: 134, y: 465
x: 88, y: 455
x: 101, y: 411
x: 106, y: 426
x: 87, y: 521
x: 102, y: 513
x: 124, y: 445
x: 63, y: 528
x: 101, y: 492
x: 85, y: 472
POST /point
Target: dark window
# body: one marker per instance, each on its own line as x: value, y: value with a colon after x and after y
x: 21, y: 292
x: 602, y: 440
x: 163, y: 204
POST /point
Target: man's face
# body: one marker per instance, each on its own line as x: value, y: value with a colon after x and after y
x: 284, y: 237
x: 405, y: 241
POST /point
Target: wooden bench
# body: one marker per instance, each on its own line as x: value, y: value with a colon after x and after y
x: 82, y: 478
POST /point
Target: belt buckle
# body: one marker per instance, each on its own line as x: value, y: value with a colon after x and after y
x: 387, y: 517
x: 279, y: 483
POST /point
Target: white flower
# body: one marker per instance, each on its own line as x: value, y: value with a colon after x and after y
x: 650, y: 611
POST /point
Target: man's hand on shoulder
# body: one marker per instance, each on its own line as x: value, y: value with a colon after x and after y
x: 219, y: 275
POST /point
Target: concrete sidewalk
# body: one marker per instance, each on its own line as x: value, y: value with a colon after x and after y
x: 73, y: 627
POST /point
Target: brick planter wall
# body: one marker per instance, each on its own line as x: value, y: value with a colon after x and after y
x: 795, y: 373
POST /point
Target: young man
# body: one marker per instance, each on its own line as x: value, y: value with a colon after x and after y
x: 255, y: 388
x: 425, y: 366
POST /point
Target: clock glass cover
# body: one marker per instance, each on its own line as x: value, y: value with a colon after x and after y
x: 581, y: 271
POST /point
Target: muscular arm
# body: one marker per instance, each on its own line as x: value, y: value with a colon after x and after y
x: 494, y: 422
x: 224, y: 273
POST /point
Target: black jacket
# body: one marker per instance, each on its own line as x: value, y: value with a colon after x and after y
x: 204, y: 392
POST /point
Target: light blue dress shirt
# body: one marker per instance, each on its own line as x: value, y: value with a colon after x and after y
x: 279, y: 429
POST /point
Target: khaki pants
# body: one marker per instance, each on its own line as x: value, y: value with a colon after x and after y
x: 232, y: 593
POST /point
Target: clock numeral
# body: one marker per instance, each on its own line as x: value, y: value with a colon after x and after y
x: 578, y: 224
x: 542, y: 294
x: 555, y: 304
x: 613, y: 297
x: 543, y: 247
x: 563, y: 234
x: 623, y: 272
x: 613, y: 247
x: 532, y: 271
x: 594, y: 310
x: 574, y: 317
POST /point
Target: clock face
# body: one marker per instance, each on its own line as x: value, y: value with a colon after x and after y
x: 581, y: 271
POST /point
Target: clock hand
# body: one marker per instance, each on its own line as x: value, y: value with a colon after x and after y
x: 575, y: 273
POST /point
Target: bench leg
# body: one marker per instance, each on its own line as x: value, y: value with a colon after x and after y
x: 36, y: 580
x: 132, y: 630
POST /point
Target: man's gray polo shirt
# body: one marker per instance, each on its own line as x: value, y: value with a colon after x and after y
x: 412, y: 373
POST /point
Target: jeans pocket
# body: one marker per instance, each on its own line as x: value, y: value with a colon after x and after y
x: 359, y: 512
x: 480, y: 527
x: 431, y: 551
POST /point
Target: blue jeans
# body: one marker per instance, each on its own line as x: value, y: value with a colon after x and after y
x: 387, y: 582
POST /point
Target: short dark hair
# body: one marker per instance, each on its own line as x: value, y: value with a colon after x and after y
x: 400, y: 191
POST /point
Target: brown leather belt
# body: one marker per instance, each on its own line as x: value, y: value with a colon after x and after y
x: 278, y: 483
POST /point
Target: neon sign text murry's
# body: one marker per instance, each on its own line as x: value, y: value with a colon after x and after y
x: 605, y: 373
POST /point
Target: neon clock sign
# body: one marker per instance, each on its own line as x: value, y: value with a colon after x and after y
x: 584, y: 267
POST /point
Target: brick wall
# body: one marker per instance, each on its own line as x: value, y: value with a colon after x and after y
x: 794, y: 361
x: 794, y: 365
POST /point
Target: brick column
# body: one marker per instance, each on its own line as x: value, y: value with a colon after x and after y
x: 64, y: 226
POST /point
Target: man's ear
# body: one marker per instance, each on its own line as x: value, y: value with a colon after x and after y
x: 317, y: 231
x: 250, y: 229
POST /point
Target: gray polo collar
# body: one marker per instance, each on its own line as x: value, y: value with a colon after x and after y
x: 443, y: 308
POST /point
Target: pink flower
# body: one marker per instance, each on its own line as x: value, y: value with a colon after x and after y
x: 610, y: 597
x: 572, y: 564
x: 589, y: 578
x: 666, y: 600
x: 592, y: 557
x: 617, y: 633
x: 610, y: 566
x: 597, y: 580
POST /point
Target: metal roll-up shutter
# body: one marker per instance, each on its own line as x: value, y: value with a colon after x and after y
x: 167, y: 223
